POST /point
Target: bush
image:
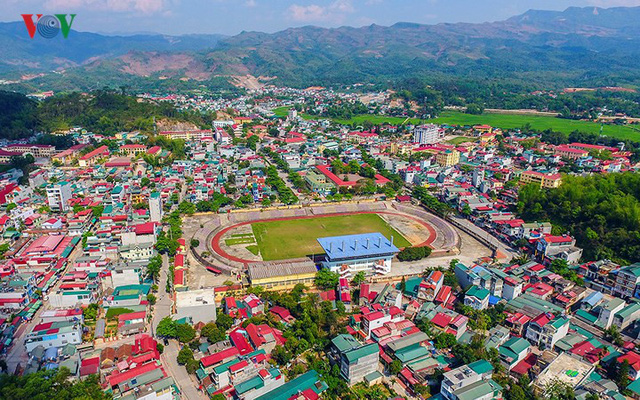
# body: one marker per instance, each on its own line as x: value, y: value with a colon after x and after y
x: 160, y: 347
x: 414, y: 253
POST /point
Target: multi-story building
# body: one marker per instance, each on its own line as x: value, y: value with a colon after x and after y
x: 550, y: 247
x: 54, y: 334
x: 477, y: 298
x: 546, y: 329
x: 355, y: 359
x: 627, y: 283
x: 448, y: 158
x: 36, y: 150
x: 58, y: 196
x: 547, y: 181
x: 426, y: 134
x: 369, y: 252
x: 155, y: 207
x: 470, y: 381
x: 429, y: 288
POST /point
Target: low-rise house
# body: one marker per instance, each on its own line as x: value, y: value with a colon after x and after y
x: 546, y: 329
x: 477, y: 298
x: 513, y: 351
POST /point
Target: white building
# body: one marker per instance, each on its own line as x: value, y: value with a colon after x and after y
x: 198, y: 305
x: 54, y: 334
x: 426, y: 134
x: 58, y: 196
x: 155, y: 207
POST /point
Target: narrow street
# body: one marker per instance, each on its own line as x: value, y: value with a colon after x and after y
x: 188, y: 387
x: 163, y: 303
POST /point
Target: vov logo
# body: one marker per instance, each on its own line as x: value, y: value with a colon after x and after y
x: 48, y: 26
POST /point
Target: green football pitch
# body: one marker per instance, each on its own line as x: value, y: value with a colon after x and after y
x: 295, y: 238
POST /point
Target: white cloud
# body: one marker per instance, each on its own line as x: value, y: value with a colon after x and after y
x: 141, y: 6
x: 336, y: 12
x: 250, y: 3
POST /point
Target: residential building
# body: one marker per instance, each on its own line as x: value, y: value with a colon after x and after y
x: 627, y: 283
x: 460, y: 383
x: 426, y: 134
x: 547, y: 181
x: 54, y: 334
x: 58, y: 196
x: 546, y: 329
x: 155, y: 207
x: 448, y: 158
x: 477, y: 298
x: 355, y: 359
x: 513, y: 351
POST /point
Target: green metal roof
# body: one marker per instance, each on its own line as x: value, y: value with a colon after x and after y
x: 478, y: 292
x: 356, y: 354
x: 345, y: 342
x: 481, y: 366
x: 308, y: 380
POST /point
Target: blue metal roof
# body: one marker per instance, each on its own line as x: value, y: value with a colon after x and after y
x: 361, y: 245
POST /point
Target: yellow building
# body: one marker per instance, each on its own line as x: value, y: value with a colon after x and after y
x: 282, y: 275
x: 448, y: 158
x: 547, y: 181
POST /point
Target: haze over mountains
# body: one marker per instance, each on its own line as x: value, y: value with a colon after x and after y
x: 579, y: 46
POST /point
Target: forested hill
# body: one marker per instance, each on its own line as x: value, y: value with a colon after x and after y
x: 100, y: 111
x: 601, y: 211
x: 576, y: 47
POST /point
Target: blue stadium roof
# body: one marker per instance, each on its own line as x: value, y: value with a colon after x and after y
x: 356, y: 246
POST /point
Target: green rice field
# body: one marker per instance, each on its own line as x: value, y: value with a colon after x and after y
x: 295, y: 238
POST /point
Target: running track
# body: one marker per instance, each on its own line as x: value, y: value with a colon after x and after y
x: 215, y: 242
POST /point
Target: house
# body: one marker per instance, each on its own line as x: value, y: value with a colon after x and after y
x: 513, y: 351
x: 430, y: 287
x: 546, y: 329
x: 477, y: 298
x: 627, y: 282
x: 53, y: 334
x: 550, y: 247
x: 355, y: 359
x: 472, y: 381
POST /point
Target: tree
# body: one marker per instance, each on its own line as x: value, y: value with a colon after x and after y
x: 154, y: 267
x: 194, y: 243
x: 444, y: 340
x: 395, y: 367
x: 325, y: 279
x: 359, y: 278
x: 403, y: 285
x: 414, y: 253
x: 151, y: 298
x: 184, y: 355
x: 166, y: 327
x: 515, y: 392
x: 91, y: 312
x: 51, y: 384
x: 185, y: 333
x: 212, y: 332
x: 224, y: 321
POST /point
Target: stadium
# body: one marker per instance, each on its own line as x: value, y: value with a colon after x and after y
x: 288, y: 235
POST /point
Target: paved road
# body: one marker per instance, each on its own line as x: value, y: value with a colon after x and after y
x: 188, y: 387
x: 163, y: 303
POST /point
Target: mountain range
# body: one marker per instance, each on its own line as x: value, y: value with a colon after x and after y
x: 578, y: 46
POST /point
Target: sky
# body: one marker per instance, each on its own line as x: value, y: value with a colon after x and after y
x: 230, y: 17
